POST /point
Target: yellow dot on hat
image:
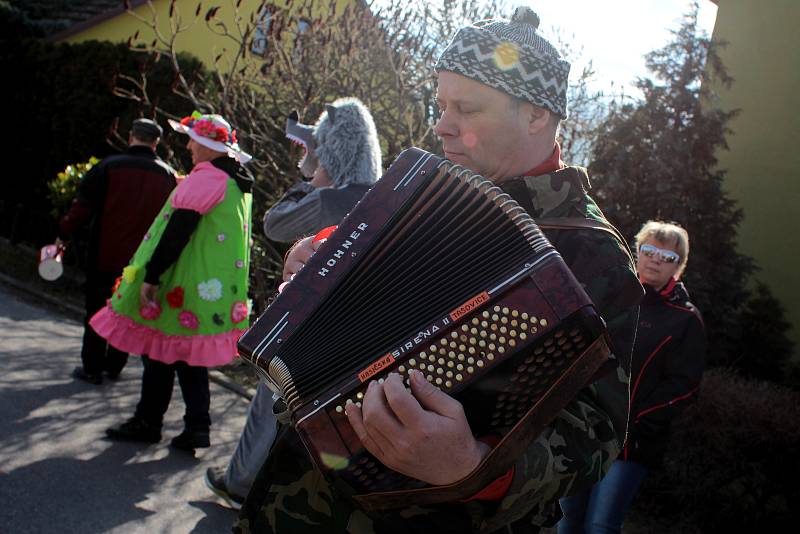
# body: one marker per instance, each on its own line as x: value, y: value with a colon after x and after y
x: 506, y: 55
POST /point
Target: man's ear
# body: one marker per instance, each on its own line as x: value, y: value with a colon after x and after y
x: 538, y: 118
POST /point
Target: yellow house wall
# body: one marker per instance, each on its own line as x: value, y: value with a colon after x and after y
x: 197, y: 38
x: 763, y: 163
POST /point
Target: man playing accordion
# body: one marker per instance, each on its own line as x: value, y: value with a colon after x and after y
x: 502, y: 94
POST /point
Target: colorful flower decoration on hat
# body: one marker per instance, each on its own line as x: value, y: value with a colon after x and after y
x: 188, y: 320
x: 205, y: 126
x: 210, y: 290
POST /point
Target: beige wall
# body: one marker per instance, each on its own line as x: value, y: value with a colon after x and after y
x: 763, y: 163
x: 196, y: 35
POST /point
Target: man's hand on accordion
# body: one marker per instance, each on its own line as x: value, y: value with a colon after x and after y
x: 298, y: 255
x: 422, y: 433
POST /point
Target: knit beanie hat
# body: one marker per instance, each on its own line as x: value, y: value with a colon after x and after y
x: 344, y: 141
x: 512, y: 57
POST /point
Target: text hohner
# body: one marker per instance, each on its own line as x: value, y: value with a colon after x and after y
x: 343, y: 247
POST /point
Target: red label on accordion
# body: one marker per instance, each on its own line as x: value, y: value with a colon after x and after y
x: 469, y: 306
x: 376, y: 367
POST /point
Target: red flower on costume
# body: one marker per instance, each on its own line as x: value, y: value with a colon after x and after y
x: 150, y: 311
x: 117, y: 282
x: 238, y: 312
x: 188, y: 320
x: 175, y: 297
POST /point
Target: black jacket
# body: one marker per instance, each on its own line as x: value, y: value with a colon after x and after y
x: 119, y: 198
x: 668, y: 362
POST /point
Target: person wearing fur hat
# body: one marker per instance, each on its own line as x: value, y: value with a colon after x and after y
x: 182, y: 301
x: 342, y: 157
x: 502, y: 92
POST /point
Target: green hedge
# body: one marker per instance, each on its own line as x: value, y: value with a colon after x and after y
x: 60, y: 109
x: 734, y: 462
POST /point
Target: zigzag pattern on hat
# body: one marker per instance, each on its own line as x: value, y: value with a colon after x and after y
x: 533, y: 74
x: 529, y: 69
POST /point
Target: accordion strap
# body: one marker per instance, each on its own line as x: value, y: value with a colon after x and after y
x: 511, y: 447
x: 581, y: 223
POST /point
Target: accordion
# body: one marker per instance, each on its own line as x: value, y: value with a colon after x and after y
x: 440, y: 270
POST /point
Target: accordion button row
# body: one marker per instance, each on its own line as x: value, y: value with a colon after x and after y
x: 454, y: 357
x: 534, y: 375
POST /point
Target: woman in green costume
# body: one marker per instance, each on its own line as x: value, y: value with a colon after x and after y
x: 182, y: 301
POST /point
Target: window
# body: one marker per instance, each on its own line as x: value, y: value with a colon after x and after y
x: 303, y: 26
x: 261, y: 33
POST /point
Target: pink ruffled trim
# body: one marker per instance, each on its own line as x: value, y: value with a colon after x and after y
x: 203, y: 189
x: 129, y: 336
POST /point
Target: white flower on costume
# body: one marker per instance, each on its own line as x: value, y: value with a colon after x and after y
x: 210, y: 290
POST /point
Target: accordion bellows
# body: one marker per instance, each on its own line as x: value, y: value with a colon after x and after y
x: 436, y: 269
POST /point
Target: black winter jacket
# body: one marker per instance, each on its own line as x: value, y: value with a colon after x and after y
x: 668, y: 362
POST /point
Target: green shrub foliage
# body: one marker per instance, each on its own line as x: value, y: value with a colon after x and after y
x: 655, y: 159
x: 732, y: 464
x: 64, y: 111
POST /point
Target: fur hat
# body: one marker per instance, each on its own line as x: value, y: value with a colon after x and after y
x: 512, y: 57
x: 344, y: 141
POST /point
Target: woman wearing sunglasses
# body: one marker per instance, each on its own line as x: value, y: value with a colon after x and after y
x: 668, y: 361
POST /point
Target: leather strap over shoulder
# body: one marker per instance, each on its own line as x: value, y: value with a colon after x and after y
x: 581, y: 223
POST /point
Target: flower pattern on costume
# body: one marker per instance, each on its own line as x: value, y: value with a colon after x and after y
x: 210, y: 290
x: 175, y: 297
x: 221, y: 238
x: 188, y: 320
x: 129, y: 273
x: 239, y: 264
x: 238, y: 312
x: 150, y: 311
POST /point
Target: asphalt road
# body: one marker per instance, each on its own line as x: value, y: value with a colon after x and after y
x: 58, y: 473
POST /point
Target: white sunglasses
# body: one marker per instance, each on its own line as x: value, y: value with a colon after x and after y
x: 667, y: 256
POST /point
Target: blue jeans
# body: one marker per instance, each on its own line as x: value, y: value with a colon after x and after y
x: 602, y: 508
x: 254, y: 443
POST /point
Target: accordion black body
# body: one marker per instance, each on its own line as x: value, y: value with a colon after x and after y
x: 439, y: 270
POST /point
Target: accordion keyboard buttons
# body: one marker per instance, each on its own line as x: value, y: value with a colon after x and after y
x: 458, y: 354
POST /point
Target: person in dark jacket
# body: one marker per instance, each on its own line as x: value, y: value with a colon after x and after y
x: 118, y: 198
x: 342, y: 161
x: 668, y: 361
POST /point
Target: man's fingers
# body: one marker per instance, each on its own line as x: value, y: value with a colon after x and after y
x: 356, y: 418
x: 379, y: 419
x: 372, y: 439
x: 290, y: 269
x: 298, y: 256
x: 432, y: 398
x: 402, y: 403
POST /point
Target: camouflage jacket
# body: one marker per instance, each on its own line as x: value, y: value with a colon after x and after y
x: 290, y: 495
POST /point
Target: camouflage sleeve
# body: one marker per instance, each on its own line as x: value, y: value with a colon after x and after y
x: 577, y: 449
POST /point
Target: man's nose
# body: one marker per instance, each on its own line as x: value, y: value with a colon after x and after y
x: 445, y: 126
